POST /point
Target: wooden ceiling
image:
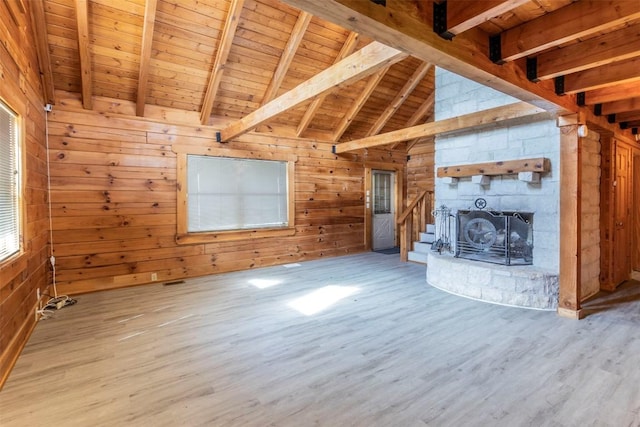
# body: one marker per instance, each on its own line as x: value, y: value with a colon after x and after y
x: 225, y: 61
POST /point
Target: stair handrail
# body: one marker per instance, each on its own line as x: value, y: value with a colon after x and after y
x: 411, y: 215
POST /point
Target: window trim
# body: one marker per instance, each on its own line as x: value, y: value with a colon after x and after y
x: 183, y: 236
x: 18, y: 259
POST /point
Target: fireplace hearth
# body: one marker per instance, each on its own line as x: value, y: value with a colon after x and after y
x: 497, y: 237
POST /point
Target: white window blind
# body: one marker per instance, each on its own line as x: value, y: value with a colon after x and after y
x: 9, y: 184
x: 235, y: 194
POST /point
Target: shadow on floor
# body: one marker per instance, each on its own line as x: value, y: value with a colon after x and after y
x: 627, y: 294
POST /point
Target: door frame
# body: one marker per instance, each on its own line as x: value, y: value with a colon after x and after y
x: 399, y: 192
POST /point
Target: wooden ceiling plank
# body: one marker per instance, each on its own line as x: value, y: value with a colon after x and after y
x: 597, y: 51
x: 402, y: 95
x: 362, y: 63
x: 39, y: 24
x: 607, y: 75
x: 612, y: 93
x: 629, y: 116
x: 463, y: 15
x: 358, y: 104
x: 82, y: 23
x: 420, y: 112
x: 621, y: 106
x: 288, y: 54
x: 568, y: 23
x: 480, y: 119
x: 145, y: 54
x: 222, y: 53
x: 347, y: 49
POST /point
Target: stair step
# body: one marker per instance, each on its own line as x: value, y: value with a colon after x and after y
x: 427, y: 237
x: 417, y: 257
x: 431, y: 228
x: 422, y: 247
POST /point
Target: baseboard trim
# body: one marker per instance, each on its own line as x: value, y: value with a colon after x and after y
x: 10, y: 356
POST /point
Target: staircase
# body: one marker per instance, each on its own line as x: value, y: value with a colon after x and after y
x: 422, y: 247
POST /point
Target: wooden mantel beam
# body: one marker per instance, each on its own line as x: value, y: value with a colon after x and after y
x: 39, y: 23
x: 538, y: 164
x: 145, y: 54
x: 480, y: 119
x: 82, y: 22
x: 362, y: 63
x: 222, y: 53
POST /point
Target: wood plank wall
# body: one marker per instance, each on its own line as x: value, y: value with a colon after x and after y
x: 114, y: 202
x: 21, y: 89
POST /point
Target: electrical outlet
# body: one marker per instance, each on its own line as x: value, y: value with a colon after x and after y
x: 154, y: 277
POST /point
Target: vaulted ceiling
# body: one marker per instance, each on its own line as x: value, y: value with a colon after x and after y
x: 224, y: 62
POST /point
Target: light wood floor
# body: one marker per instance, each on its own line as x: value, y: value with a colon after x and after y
x: 221, y: 351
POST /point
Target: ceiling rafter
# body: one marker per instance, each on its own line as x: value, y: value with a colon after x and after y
x: 480, y: 119
x: 347, y: 49
x: 145, y: 54
x: 420, y: 112
x: 222, y: 53
x: 571, y: 22
x: 462, y: 15
x: 614, y: 107
x: 607, y: 75
x: 358, y: 103
x: 86, y: 75
x: 39, y: 24
x: 615, y: 46
x: 612, y: 93
x: 289, y: 52
x: 402, y: 96
x: 360, y: 64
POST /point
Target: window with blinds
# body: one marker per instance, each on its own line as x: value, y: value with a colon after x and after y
x: 9, y: 183
x: 236, y: 194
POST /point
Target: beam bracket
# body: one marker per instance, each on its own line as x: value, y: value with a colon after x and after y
x: 634, y: 131
x: 218, y: 137
x: 597, y: 109
x: 440, y: 20
x: 581, y: 99
x: 495, y: 49
x: 380, y: 2
x: 333, y: 149
x: 624, y: 125
x: 611, y: 118
x: 532, y: 69
x: 559, y: 85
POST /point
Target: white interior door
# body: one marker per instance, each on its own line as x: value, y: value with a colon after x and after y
x: 383, y: 224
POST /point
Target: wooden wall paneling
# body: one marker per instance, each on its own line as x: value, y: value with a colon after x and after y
x: 21, y: 277
x: 115, y: 201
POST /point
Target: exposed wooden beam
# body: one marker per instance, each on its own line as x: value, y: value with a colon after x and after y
x: 402, y: 95
x: 403, y: 24
x: 621, y: 106
x: 629, y: 116
x: 222, y: 53
x: 570, y: 252
x: 607, y: 75
x: 420, y: 112
x: 82, y: 22
x: 480, y: 119
x: 39, y: 24
x: 612, y: 93
x: 347, y: 49
x: 538, y: 164
x: 357, y: 105
x: 615, y: 46
x: 145, y: 54
x: 463, y: 15
x: 568, y: 23
x: 362, y: 63
x: 288, y: 54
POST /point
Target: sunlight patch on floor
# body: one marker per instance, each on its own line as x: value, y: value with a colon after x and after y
x: 321, y: 299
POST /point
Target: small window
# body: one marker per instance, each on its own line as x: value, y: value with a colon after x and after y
x: 234, y: 197
x: 9, y: 183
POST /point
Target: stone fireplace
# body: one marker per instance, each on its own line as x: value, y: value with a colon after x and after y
x: 500, y: 255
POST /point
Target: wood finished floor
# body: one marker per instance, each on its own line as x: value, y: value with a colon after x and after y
x: 229, y: 350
